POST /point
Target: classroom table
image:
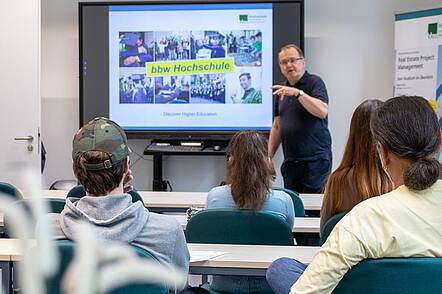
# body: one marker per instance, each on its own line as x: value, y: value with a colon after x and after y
x: 250, y: 260
x: 184, y: 200
x: 246, y: 260
x: 9, y: 250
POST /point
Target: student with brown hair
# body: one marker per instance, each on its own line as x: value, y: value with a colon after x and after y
x: 100, y: 162
x: 250, y: 173
x: 405, y: 222
x: 359, y: 176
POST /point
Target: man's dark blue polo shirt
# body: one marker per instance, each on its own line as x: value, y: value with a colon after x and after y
x: 304, y: 136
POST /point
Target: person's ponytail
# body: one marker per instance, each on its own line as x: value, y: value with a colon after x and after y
x: 422, y: 174
x: 408, y: 127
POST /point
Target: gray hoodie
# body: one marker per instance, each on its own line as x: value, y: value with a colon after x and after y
x: 116, y: 218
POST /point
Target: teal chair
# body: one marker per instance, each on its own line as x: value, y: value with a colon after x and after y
x: 136, y: 288
x: 10, y: 190
x: 226, y: 226
x: 297, y: 201
x: 329, y: 225
x: 78, y: 192
x: 393, y: 276
x: 66, y: 251
x: 55, y: 205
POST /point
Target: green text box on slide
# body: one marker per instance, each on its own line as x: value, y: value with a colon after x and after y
x: 189, y: 67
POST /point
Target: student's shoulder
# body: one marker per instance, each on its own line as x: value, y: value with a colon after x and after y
x: 375, y: 208
x: 281, y: 195
x: 219, y: 191
x: 165, y: 221
x: 378, y: 201
x: 161, y: 227
x: 279, y: 200
x: 50, y: 221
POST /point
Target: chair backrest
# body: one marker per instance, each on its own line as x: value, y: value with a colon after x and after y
x: 297, y: 201
x: 238, y: 227
x: 78, y: 192
x: 329, y: 225
x: 56, y: 205
x: 135, y: 196
x: 66, y: 253
x: 10, y: 190
x: 393, y: 275
x: 135, y: 288
x: 66, y: 250
x: 63, y: 185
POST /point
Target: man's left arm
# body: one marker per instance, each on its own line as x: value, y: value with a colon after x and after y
x: 314, y: 105
x: 316, y: 101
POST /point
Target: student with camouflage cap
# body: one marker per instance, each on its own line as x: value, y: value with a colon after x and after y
x: 100, y: 162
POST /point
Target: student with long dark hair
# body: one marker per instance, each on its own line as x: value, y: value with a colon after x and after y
x: 359, y: 176
x: 250, y: 174
x: 403, y: 223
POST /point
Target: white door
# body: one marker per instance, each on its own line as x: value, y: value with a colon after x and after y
x: 19, y: 88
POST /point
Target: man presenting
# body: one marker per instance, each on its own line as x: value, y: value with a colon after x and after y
x: 300, y: 123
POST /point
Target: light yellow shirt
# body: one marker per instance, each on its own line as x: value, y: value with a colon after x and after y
x: 402, y: 223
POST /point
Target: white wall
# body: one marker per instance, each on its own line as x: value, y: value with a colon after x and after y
x: 348, y: 43
x: 20, y: 86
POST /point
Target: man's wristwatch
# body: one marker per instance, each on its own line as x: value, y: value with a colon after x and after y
x: 300, y: 93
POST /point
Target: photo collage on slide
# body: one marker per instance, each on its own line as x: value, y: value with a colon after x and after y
x: 243, y: 86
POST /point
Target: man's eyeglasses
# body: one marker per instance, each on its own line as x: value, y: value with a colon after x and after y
x: 293, y: 60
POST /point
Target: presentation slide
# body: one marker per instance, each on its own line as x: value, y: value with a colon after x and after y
x: 191, y: 66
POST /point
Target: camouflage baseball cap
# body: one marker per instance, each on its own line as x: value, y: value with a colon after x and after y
x: 101, y: 134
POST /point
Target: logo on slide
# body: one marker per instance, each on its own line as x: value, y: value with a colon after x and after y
x: 432, y: 30
x: 243, y: 17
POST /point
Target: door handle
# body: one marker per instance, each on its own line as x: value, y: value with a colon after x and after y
x: 24, y: 138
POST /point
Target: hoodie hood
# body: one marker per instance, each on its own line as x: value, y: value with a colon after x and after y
x: 114, y: 217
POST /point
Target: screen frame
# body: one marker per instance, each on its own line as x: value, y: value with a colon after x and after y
x: 154, y: 134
